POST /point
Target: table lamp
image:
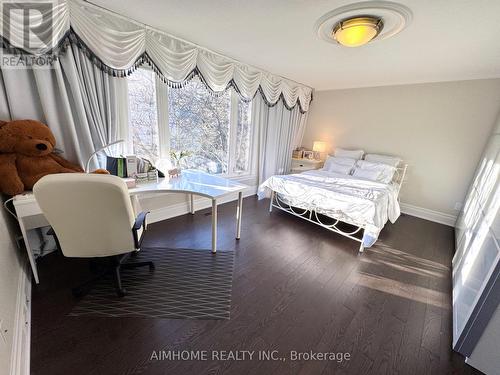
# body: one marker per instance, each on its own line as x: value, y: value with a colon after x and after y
x: 87, y: 165
x: 319, y: 147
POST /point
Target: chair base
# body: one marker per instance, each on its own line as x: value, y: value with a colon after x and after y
x: 114, y: 267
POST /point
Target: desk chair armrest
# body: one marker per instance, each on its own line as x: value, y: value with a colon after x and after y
x: 140, y: 222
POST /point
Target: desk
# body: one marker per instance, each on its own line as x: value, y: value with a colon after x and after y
x: 190, y: 182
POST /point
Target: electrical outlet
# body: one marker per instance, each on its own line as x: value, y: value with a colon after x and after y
x: 3, y: 332
x: 458, y: 206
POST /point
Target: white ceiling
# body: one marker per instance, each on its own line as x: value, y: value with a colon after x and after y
x: 447, y: 40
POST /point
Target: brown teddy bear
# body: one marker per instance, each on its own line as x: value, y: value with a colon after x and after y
x: 26, y: 155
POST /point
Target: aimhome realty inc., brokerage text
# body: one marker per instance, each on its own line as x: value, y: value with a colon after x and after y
x: 246, y: 355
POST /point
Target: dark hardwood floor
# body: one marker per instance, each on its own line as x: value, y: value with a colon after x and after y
x: 296, y: 287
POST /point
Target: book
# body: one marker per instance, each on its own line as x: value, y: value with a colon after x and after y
x: 116, y: 166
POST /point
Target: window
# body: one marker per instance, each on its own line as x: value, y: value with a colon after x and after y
x: 143, y: 117
x: 243, y: 137
x: 215, y: 129
x: 200, y: 123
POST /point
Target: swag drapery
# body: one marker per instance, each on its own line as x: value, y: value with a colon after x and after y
x: 118, y: 45
x: 83, y: 95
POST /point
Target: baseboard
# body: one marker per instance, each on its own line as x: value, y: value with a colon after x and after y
x: 178, y: 209
x: 427, y: 214
x: 200, y: 203
x: 21, y: 340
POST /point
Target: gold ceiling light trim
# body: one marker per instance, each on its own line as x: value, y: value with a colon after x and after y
x: 357, y: 31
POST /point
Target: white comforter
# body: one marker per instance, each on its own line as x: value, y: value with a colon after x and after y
x: 365, y: 203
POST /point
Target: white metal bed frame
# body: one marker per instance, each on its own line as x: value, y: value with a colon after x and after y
x: 312, y: 215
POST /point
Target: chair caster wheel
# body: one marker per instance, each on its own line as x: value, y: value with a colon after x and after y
x: 121, y: 292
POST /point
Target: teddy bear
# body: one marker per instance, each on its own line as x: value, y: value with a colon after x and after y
x: 27, y: 154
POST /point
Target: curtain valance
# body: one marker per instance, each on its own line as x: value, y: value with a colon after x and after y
x: 118, y: 45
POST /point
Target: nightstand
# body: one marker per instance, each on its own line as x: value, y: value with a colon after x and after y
x: 302, y: 165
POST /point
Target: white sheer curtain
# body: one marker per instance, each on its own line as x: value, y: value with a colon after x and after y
x: 279, y: 131
x: 84, y: 107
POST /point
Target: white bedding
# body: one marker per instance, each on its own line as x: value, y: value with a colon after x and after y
x: 364, y: 203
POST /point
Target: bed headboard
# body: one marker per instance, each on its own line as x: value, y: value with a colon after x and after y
x: 399, y: 176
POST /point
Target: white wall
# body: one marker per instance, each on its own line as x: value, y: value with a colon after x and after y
x: 10, y: 271
x: 439, y: 129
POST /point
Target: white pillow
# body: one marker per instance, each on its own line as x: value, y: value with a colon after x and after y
x: 341, y: 161
x: 352, y: 154
x: 385, y: 159
x: 386, y: 171
x: 367, y: 174
x: 338, y: 168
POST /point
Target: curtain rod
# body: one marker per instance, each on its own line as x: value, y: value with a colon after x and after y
x: 145, y: 25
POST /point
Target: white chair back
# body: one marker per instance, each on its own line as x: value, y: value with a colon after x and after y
x: 91, y: 214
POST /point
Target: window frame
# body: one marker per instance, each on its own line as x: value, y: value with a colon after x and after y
x: 162, y: 112
x: 233, y: 129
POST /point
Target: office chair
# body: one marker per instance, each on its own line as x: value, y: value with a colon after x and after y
x: 92, y: 217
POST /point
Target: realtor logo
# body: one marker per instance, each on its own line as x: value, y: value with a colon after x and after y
x: 27, y: 26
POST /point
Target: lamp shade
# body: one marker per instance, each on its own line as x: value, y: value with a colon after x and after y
x: 319, y: 146
x: 357, y: 31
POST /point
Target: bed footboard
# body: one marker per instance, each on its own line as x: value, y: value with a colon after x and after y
x: 313, y: 217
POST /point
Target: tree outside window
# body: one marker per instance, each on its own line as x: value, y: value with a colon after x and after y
x: 214, y: 128
x: 199, y: 122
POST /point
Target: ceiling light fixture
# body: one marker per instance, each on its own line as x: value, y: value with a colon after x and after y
x: 357, y: 31
x: 365, y: 22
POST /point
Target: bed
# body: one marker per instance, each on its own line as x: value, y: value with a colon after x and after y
x: 354, y: 207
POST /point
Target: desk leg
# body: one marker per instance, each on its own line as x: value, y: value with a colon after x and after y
x: 214, y: 226
x: 191, y: 204
x: 31, y: 257
x: 238, y: 215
